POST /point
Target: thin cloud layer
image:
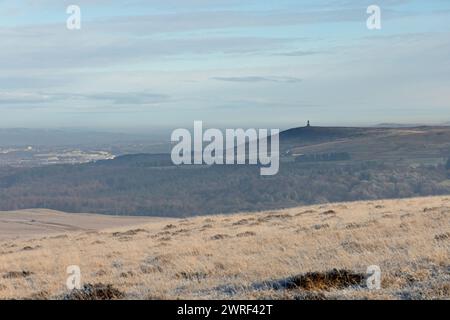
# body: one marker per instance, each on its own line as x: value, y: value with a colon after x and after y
x: 199, y: 59
x: 259, y: 79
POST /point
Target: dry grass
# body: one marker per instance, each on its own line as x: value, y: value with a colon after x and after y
x: 322, y: 252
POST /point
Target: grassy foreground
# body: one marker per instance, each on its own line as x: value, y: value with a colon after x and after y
x: 287, y: 254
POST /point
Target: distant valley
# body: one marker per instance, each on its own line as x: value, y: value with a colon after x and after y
x: 318, y: 165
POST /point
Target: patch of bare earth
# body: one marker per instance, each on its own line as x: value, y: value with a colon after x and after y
x: 97, y: 291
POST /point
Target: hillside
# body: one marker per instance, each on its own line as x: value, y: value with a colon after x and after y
x: 417, y: 144
x: 338, y: 164
x: 287, y: 254
x: 312, y: 134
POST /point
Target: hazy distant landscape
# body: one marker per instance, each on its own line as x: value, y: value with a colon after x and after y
x: 318, y: 165
x: 25, y: 148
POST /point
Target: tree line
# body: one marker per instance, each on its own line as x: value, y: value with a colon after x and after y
x: 139, y: 188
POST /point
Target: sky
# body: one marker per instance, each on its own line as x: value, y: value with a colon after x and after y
x: 138, y: 64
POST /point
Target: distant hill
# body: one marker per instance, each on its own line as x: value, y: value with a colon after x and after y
x: 398, y: 125
x: 323, y: 133
x: 408, y: 125
x: 370, y: 143
x: 313, y: 135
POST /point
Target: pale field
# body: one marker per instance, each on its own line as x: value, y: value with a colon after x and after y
x: 236, y: 256
x: 35, y: 222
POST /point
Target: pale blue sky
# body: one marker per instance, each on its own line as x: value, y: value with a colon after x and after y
x: 165, y: 63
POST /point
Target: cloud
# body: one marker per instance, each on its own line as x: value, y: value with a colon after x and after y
x: 300, y: 53
x: 109, y: 40
x: 48, y: 48
x: 7, y: 98
x: 128, y: 98
x: 255, y: 79
x: 111, y: 98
